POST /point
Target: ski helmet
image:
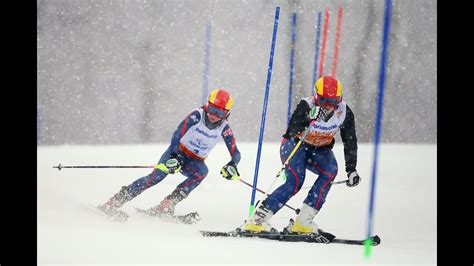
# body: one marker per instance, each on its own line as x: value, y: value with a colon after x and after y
x: 327, y: 92
x: 219, y: 103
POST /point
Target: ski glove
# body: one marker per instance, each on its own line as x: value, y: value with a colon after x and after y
x: 174, y: 163
x: 230, y: 172
x: 353, y: 180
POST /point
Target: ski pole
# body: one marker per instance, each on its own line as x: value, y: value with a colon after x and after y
x: 104, y: 166
x: 263, y: 192
x: 333, y: 183
x: 340, y: 182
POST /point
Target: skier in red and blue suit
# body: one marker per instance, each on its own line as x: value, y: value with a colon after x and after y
x: 322, y: 115
x: 190, y: 145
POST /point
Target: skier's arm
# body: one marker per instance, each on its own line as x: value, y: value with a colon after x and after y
x: 229, y: 140
x: 193, y: 118
x: 349, y: 139
x: 229, y: 171
x: 299, y: 120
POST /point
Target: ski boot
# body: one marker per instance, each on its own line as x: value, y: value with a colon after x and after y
x: 111, y: 207
x: 259, y: 223
x: 304, y: 225
x: 168, y: 204
x: 165, y: 210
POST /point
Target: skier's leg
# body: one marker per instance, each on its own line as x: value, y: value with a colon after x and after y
x: 195, y: 171
x: 295, y: 172
x: 323, y: 163
x: 129, y: 192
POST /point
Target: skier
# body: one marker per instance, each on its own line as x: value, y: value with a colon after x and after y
x: 190, y: 144
x: 324, y: 114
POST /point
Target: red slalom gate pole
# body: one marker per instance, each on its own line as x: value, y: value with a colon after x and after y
x: 336, y: 44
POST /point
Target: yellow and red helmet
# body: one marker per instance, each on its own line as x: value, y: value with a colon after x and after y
x: 327, y: 92
x: 219, y: 103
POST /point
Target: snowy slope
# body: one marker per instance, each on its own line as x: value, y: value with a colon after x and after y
x: 70, y: 232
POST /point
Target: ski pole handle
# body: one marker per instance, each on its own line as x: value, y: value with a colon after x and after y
x: 263, y: 192
x: 104, y: 166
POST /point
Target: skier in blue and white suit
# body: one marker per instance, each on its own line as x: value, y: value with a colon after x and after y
x: 190, y: 145
x: 323, y: 115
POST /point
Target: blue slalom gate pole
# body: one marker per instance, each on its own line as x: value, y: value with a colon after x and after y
x: 292, y: 65
x: 378, y: 123
x: 264, y: 112
x: 316, y: 51
x: 205, y: 80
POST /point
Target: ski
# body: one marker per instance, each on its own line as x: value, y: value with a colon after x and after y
x: 121, y: 216
x: 190, y: 218
x: 114, y: 215
x: 311, y: 238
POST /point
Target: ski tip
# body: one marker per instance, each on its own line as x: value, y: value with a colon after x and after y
x: 205, y: 233
x: 218, y: 233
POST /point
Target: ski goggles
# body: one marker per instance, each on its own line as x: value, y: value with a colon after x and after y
x: 327, y: 102
x: 221, y: 113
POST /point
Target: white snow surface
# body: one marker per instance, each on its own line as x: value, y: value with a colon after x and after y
x: 71, y: 232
